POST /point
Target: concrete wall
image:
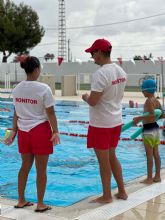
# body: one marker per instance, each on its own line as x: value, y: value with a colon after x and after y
x: 69, y: 85
x: 84, y: 70
x: 49, y: 80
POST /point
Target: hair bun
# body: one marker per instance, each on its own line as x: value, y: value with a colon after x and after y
x: 22, y: 59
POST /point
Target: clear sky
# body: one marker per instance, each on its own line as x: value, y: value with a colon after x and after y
x: 133, y: 27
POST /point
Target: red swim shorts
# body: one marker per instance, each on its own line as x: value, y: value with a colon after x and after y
x: 103, y: 138
x: 36, y: 141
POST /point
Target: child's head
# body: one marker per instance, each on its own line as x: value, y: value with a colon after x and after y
x: 149, y: 86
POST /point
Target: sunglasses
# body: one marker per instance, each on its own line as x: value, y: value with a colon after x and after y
x: 93, y: 52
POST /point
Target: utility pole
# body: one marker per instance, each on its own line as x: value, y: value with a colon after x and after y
x: 162, y: 73
x: 69, y: 60
x: 61, y: 30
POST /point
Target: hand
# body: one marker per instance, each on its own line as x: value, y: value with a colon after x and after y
x: 55, y: 138
x: 9, y: 140
x: 85, y: 97
x: 136, y: 120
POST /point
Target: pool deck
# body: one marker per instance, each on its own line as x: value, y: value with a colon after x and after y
x: 135, y: 96
x: 144, y: 202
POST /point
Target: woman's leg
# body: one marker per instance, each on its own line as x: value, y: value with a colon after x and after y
x: 27, y: 162
x: 41, y: 167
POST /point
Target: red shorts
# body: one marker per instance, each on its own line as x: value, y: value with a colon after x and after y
x: 36, y: 141
x: 103, y: 138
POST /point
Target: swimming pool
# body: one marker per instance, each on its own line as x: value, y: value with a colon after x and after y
x: 73, y: 172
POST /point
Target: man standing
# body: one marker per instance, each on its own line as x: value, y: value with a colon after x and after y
x: 105, y: 117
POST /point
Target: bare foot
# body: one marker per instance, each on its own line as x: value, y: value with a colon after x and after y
x: 47, y: 208
x: 157, y: 179
x: 102, y: 199
x: 147, y: 181
x: 123, y: 196
x: 23, y: 204
x: 42, y: 207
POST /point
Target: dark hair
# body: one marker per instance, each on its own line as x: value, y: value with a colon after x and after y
x: 107, y: 53
x: 29, y: 64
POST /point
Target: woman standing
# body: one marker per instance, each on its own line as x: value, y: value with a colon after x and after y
x: 35, y: 122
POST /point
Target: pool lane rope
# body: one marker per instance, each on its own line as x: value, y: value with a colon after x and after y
x: 157, y: 113
x: 79, y: 135
x: 122, y: 139
x: 125, y: 127
x: 87, y: 122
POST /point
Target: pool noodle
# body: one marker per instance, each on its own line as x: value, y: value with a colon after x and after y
x: 127, y: 126
x: 136, y: 133
x: 157, y: 112
x: 130, y: 124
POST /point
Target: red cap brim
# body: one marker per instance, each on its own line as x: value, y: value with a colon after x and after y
x: 89, y: 50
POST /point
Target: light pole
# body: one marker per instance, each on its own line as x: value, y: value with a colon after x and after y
x: 69, y: 50
x: 162, y: 69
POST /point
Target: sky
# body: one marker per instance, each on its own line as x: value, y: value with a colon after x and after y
x: 133, y: 27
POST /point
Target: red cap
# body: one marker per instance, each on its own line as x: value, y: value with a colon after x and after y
x: 100, y: 44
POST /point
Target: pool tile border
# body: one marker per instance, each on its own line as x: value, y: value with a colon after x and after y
x: 109, y: 211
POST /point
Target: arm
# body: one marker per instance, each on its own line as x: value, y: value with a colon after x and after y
x: 53, y: 122
x: 15, y: 118
x: 93, y: 98
x: 9, y: 140
x: 163, y: 114
x: 148, y: 107
x: 98, y: 84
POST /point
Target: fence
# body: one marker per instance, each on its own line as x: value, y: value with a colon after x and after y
x: 134, y: 80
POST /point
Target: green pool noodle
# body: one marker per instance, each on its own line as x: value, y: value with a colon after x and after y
x: 157, y: 112
x: 136, y: 133
x: 128, y: 125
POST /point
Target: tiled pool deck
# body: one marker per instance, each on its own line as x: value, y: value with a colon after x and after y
x: 144, y: 202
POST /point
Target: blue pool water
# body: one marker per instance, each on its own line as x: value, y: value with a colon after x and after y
x: 73, y: 172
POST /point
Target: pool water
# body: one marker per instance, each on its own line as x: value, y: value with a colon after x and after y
x: 73, y: 172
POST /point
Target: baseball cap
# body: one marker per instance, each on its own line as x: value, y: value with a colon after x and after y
x: 100, y: 44
x: 149, y: 85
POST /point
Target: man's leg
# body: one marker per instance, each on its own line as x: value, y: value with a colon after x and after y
x: 117, y: 173
x: 27, y: 162
x: 105, y: 173
x: 41, y: 167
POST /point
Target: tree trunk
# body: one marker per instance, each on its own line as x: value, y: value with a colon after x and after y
x: 4, y: 59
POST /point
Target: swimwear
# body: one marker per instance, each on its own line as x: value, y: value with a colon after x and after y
x: 103, y: 138
x: 151, y: 134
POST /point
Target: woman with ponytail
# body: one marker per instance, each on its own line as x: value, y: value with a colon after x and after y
x: 35, y: 123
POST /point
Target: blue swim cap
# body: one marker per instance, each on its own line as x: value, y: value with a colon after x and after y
x: 149, y: 85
